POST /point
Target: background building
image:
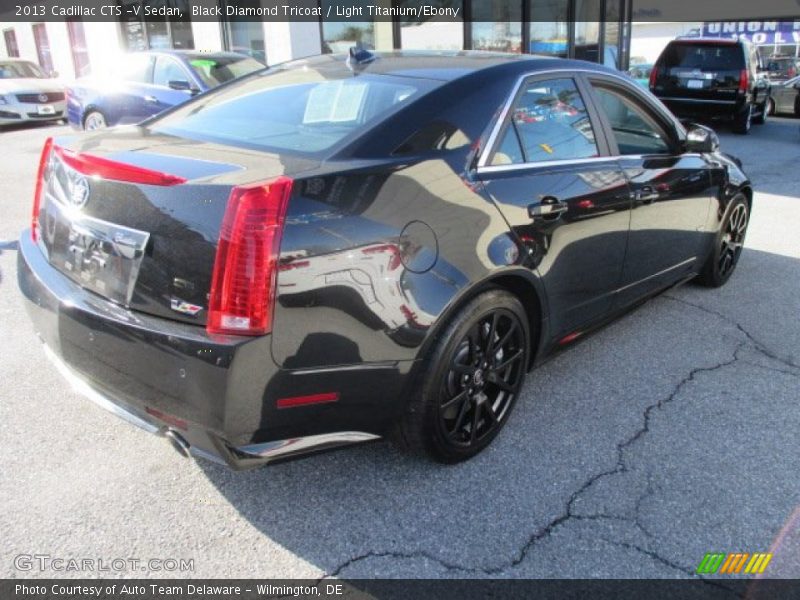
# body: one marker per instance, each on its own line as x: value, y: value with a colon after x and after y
x: 596, y: 30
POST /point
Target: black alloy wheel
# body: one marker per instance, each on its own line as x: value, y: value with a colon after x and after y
x: 483, y: 379
x: 728, y: 247
x: 472, y: 381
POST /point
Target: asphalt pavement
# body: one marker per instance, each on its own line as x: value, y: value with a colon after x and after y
x: 671, y: 433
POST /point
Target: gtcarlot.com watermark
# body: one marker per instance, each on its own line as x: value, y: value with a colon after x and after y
x: 63, y: 564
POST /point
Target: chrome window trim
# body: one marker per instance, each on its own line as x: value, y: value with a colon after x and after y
x: 697, y: 100
x: 547, y: 163
x: 486, y: 151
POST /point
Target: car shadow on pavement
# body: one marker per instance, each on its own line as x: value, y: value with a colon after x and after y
x: 613, y: 439
x: 7, y: 245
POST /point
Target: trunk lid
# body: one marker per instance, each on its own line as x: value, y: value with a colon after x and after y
x: 149, y: 246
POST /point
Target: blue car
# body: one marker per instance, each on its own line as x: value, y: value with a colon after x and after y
x: 150, y: 82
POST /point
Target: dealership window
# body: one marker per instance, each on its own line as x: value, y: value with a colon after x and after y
x: 549, y: 27
x: 245, y: 37
x: 77, y: 44
x: 437, y: 33
x: 155, y: 33
x: 12, y: 49
x: 339, y: 36
x: 43, y: 47
x: 587, y: 30
x: 496, y: 26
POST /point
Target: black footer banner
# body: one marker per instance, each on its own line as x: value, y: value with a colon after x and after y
x: 400, y: 589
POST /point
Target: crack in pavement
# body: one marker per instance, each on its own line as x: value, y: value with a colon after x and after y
x: 759, y: 346
x: 620, y: 467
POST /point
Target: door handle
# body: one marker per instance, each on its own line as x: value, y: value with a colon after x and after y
x: 548, y: 208
x: 151, y: 99
x: 645, y: 195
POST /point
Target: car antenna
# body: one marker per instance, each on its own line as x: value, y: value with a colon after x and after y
x: 359, y: 56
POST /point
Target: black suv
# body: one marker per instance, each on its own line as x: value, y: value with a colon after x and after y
x: 712, y: 78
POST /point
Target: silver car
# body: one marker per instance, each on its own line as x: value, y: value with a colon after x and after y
x: 28, y: 94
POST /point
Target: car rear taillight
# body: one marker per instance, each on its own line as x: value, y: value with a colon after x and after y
x: 104, y: 168
x: 40, y: 183
x: 245, y: 269
x: 653, y: 77
x: 744, y: 83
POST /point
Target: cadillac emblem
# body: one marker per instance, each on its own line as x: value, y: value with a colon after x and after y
x: 78, y: 190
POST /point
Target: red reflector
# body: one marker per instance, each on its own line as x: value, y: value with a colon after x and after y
x: 245, y: 268
x: 570, y: 337
x: 104, y: 168
x: 304, y: 400
x: 168, y: 419
x: 743, y: 81
x: 37, y: 195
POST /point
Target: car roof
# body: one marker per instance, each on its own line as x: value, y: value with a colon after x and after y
x: 192, y: 53
x: 709, y: 40
x: 442, y: 66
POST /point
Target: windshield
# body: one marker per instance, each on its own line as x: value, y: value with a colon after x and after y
x: 704, y: 57
x: 299, y: 110
x: 214, y: 70
x: 20, y: 70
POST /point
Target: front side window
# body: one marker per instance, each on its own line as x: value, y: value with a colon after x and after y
x: 548, y: 122
x: 166, y: 70
x: 136, y: 68
x: 634, y: 131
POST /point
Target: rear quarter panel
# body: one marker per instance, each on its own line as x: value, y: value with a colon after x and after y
x: 388, y: 235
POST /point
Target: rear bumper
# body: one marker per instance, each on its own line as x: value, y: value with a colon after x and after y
x: 218, y: 394
x: 702, y: 108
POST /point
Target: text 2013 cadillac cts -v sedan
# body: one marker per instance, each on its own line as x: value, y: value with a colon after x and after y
x: 344, y: 248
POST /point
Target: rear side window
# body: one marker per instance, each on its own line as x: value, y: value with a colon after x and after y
x: 548, y: 122
x: 703, y: 57
x: 297, y: 110
x: 214, y: 70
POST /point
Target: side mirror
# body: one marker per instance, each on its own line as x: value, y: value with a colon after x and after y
x: 182, y: 85
x: 701, y: 139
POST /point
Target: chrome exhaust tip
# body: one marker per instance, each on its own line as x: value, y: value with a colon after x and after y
x: 177, y: 441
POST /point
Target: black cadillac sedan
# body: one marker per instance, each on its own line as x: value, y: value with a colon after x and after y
x: 344, y: 248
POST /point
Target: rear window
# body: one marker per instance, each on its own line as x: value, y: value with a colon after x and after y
x: 297, y: 110
x: 704, y: 57
x: 214, y: 70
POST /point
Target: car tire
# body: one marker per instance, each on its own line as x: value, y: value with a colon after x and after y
x: 743, y: 120
x: 728, y: 243
x: 763, y: 113
x: 469, y: 385
x: 797, y: 106
x: 94, y: 119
